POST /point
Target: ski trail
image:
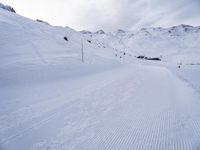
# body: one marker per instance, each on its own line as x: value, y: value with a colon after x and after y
x: 163, y: 117
x: 27, y: 122
x: 143, y: 108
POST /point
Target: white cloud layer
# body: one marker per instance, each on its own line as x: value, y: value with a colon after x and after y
x: 110, y: 14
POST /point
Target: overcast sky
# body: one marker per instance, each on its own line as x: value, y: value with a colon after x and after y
x: 110, y: 14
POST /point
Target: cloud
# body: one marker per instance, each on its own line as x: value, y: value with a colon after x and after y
x: 110, y: 14
x: 170, y: 12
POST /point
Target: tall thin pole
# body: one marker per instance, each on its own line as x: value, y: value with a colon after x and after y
x: 82, y: 50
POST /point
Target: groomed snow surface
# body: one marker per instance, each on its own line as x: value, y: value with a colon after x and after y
x: 49, y: 100
x: 123, y: 107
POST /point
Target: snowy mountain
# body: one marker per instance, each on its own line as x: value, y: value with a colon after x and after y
x: 31, y: 42
x: 119, y: 98
x: 175, y: 44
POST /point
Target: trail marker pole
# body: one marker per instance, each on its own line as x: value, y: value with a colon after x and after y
x: 82, y: 50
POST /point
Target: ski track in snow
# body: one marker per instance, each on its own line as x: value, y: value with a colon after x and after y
x: 119, y: 109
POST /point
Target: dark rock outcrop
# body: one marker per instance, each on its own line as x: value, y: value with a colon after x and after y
x: 8, y: 8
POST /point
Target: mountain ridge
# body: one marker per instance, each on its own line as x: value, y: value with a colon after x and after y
x: 175, y: 44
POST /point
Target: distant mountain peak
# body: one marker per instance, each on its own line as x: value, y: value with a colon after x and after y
x: 8, y: 8
x: 120, y: 31
x: 100, y: 32
x: 86, y: 32
x: 185, y: 26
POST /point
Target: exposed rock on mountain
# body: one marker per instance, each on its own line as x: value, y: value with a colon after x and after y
x: 8, y: 8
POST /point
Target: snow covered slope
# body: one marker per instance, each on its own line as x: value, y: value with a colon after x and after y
x: 129, y: 107
x: 33, y: 55
x: 32, y: 42
x: 176, y: 44
x: 50, y: 100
